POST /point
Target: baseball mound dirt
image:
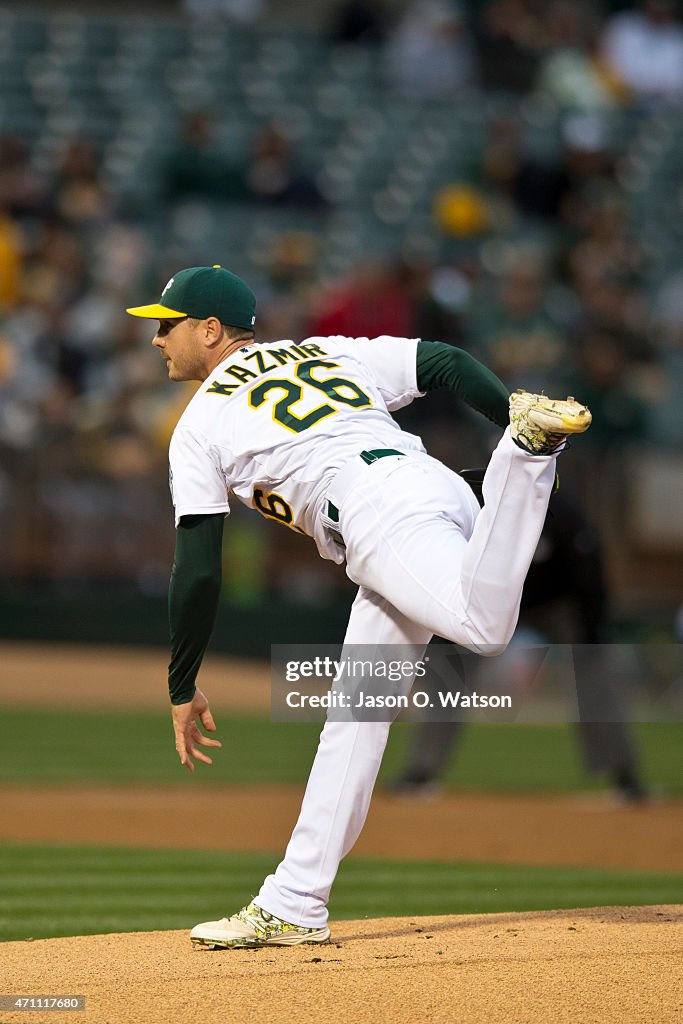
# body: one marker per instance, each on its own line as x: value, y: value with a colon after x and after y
x: 597, y: 966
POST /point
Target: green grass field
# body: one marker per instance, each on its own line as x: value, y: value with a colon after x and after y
x: 66, y: 890
x: 116, y: 747
x: 51, y: 890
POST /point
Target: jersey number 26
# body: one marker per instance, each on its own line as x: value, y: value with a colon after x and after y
x: 337, y: 389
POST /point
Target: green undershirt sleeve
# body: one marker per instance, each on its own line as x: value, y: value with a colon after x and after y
x: 445, y: 366
x: 193, y: 599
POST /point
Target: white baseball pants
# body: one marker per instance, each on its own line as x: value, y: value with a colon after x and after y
x: 428, y: 561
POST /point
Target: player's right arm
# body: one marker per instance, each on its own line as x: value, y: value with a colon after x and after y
x: 192, y: 605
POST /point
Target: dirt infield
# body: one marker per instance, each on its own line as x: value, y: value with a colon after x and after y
x: 90, y: 677
x: 594, y: 966
x: 459, y: 826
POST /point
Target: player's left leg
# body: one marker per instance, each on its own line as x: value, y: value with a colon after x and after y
x: 291, y: 906
x: 342, y: 778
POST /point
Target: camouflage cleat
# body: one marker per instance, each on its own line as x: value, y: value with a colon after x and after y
x: 540, y: 425
x: 251, y: 927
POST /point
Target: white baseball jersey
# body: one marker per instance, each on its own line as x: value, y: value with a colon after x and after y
x: 274, y: 423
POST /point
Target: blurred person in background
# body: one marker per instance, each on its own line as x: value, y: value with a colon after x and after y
x: 564, y: 601
x: 606, y: 267
x: 534, y: 187
x: 273, y: 174
x: 78, y: 195
x: 371, y: 302
x: 515, y: 332
x: 11, y: 259
x: 511, y: 37
x: 590, y: 168
x: 22, y: 190
x: 606, y: 248
x: 430, y: 54
x: 197, y: 167
x: 547, y: 186
x: 358, y: 21
x: 440, y: 294
x: 604, y: 372
x: 573, y: 71
x: 53, y: 277
x: 643, y: 48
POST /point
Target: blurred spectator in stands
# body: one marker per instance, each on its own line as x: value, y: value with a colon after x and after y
x: 22, y: 192
x: 290, y: 263
x: 56, y: 273
x: 440, y: 295
x: 604, y: 376
x: 196, y: 168
x: 573, y: 71
x: 515, y: 333
x: 612, y: 303
x: 643, y: 47
x: 358, y: 21
x: 79, y: 195
x: 121, y: 255
x: 606, y: 266
x: 10, y: 262
x: 373, y: 301
x: 54, y: 276
x: 535, y: 185
x: 543, y: 184
x: 510, y: 37
x: 588, y: 160
x: 430, y: 54
x: 128, y: 366
x: 117, y: 260
x: 9, y: 406
x: 607, y: 244
x: 27, y: 373
x: 274, y: 176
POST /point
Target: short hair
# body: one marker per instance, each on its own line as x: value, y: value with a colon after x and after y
x: 238, y: 333
x: 233, y: 333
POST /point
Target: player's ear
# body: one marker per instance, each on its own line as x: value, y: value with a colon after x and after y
x: 213, y: 330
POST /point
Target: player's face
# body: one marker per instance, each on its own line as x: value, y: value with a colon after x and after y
x: 178, y: 343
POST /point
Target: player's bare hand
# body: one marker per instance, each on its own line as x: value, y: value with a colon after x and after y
x: 188, y: 736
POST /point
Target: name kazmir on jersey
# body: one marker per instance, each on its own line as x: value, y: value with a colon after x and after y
x: 275, y: 422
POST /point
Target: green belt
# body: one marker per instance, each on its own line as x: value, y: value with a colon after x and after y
x: 368, y: 458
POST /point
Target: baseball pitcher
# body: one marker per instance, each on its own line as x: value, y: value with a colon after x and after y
x: 302, y: 432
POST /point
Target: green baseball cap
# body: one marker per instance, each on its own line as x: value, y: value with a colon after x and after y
x: 201, y: 292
